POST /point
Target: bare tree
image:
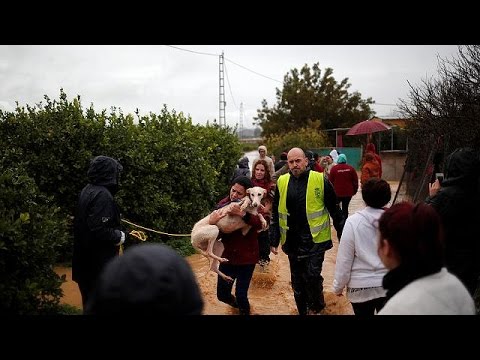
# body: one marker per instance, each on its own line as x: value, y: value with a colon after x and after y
x: 447, y: 109
x: 444, y: 113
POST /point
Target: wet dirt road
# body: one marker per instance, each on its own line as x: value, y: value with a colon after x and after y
x: 270, y: 292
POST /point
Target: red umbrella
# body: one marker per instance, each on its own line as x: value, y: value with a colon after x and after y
x: 367, y: 127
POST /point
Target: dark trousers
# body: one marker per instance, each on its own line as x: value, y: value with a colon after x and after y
x: 86, y: 287
x: 242, y: 274
x: 307, y: 282
x: 345, y: 201
x: 264, y: 245
x: 368, y: 308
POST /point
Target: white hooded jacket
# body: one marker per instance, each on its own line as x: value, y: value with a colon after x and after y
x: 358, y: 264
x: 436, y: 294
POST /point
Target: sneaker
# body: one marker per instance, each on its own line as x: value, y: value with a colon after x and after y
x: 244, y: 311
x: 313, y: 312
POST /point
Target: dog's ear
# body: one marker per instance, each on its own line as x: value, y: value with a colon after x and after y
x: 249, y: 194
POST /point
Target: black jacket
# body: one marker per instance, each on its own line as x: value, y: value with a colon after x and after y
x: 457, y: 203
x: 242, y: 169
x: 279, y: 164
x: 97, y: 221
x: 299, y: 239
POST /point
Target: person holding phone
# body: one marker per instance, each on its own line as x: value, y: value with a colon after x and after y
x: 456, y: 201
x: 439, y: 177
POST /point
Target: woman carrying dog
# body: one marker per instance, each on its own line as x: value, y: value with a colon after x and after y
x: 241, y: 251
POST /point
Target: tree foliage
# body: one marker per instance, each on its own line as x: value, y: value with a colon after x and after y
x: 312, y: 99
x: 306, y: 138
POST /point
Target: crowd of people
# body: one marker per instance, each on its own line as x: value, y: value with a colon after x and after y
x: 405, y: 259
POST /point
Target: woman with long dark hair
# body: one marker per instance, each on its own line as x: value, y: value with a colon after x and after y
x: 261, y: 177
x: 411, y: 247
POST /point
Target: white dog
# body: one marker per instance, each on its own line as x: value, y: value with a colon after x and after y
x: 204, y: 235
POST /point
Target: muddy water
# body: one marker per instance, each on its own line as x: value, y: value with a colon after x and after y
x: 270, y: 292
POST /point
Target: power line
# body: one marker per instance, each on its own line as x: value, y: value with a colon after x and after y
x: 195, y: 52
x: 233, y: 62
x: 243, y: 67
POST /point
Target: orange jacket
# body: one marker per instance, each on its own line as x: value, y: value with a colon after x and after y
x: 369, y: 170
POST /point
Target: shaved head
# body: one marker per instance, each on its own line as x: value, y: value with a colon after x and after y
x: 297, y: 161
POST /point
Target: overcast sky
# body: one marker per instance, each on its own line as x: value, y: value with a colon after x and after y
x: 148, y: 76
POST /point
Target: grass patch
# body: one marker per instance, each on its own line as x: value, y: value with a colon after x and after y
x: 182, y: 245
x: 66, y: 309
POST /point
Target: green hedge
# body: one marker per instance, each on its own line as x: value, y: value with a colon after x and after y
x: 174, y: 172
x: 32, y: 230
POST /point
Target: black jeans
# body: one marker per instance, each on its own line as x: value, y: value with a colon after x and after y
x: 242, y: 274
x: 264, y: 245
x: 307, y: 282
x: 368, y: 308
x: 345, y: 201
x: 86, y: 288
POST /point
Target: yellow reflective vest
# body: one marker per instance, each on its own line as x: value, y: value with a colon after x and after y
x: 317, y: 215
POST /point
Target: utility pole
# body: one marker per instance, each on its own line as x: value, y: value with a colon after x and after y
x: 240, y: 128
x: 222, y: 103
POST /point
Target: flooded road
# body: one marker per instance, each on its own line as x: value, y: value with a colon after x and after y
x: 270, y: 292
x: 251, y: 155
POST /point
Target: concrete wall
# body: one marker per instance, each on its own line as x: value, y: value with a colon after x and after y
x: 393, y: 162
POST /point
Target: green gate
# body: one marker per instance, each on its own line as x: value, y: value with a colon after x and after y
x: 353, y: 154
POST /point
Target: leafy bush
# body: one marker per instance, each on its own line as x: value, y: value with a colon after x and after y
x: 174, y: 172
x: 31, y: 230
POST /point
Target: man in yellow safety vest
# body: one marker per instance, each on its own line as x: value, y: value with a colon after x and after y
x: 301, y: 224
